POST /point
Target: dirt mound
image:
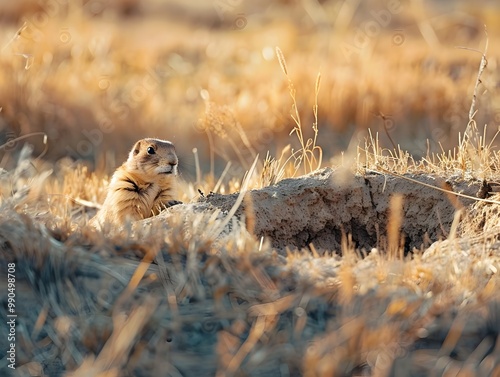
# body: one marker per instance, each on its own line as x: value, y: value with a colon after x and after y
x: 319, y: 207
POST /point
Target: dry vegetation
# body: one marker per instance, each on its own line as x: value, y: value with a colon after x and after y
x: 197, y: 293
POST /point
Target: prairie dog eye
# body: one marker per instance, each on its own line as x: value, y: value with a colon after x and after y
x: 151, y: 150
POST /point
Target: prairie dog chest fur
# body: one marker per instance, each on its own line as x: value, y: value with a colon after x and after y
x: 143, y: 186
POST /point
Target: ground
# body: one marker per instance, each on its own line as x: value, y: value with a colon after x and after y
x: 339, y: 179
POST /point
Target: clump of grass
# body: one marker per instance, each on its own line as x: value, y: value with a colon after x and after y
x: 373, y: 156
x: 274, y: 170
x: 220, y: 121
x: 475, y: 156
x: 310, y: 155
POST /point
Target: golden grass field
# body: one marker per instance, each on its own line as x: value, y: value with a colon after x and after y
x: 254, y: 95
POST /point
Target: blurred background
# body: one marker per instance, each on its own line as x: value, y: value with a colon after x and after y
x: 97, y: 75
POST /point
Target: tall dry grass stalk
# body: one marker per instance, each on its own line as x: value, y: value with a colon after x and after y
x: 310, y: 154
x: 395, y: 242
x: 239, y: 200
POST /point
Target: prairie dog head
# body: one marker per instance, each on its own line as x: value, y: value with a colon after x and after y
x: 153, y: 158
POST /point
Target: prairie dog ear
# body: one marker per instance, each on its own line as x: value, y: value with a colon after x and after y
x: 135, y: 150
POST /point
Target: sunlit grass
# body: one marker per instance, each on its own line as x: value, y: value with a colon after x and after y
x: 230, y: 79
x: 220, y: 96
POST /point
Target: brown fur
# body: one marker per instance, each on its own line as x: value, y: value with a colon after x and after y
x: 143, y: 186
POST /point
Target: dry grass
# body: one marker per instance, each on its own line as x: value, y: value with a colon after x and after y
x: 191, y: 298
x: 145, y: 76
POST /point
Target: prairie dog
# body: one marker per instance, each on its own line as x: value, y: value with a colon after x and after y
x: 143, y: 186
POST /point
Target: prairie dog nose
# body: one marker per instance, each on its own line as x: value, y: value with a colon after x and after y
x: 171, y: 159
